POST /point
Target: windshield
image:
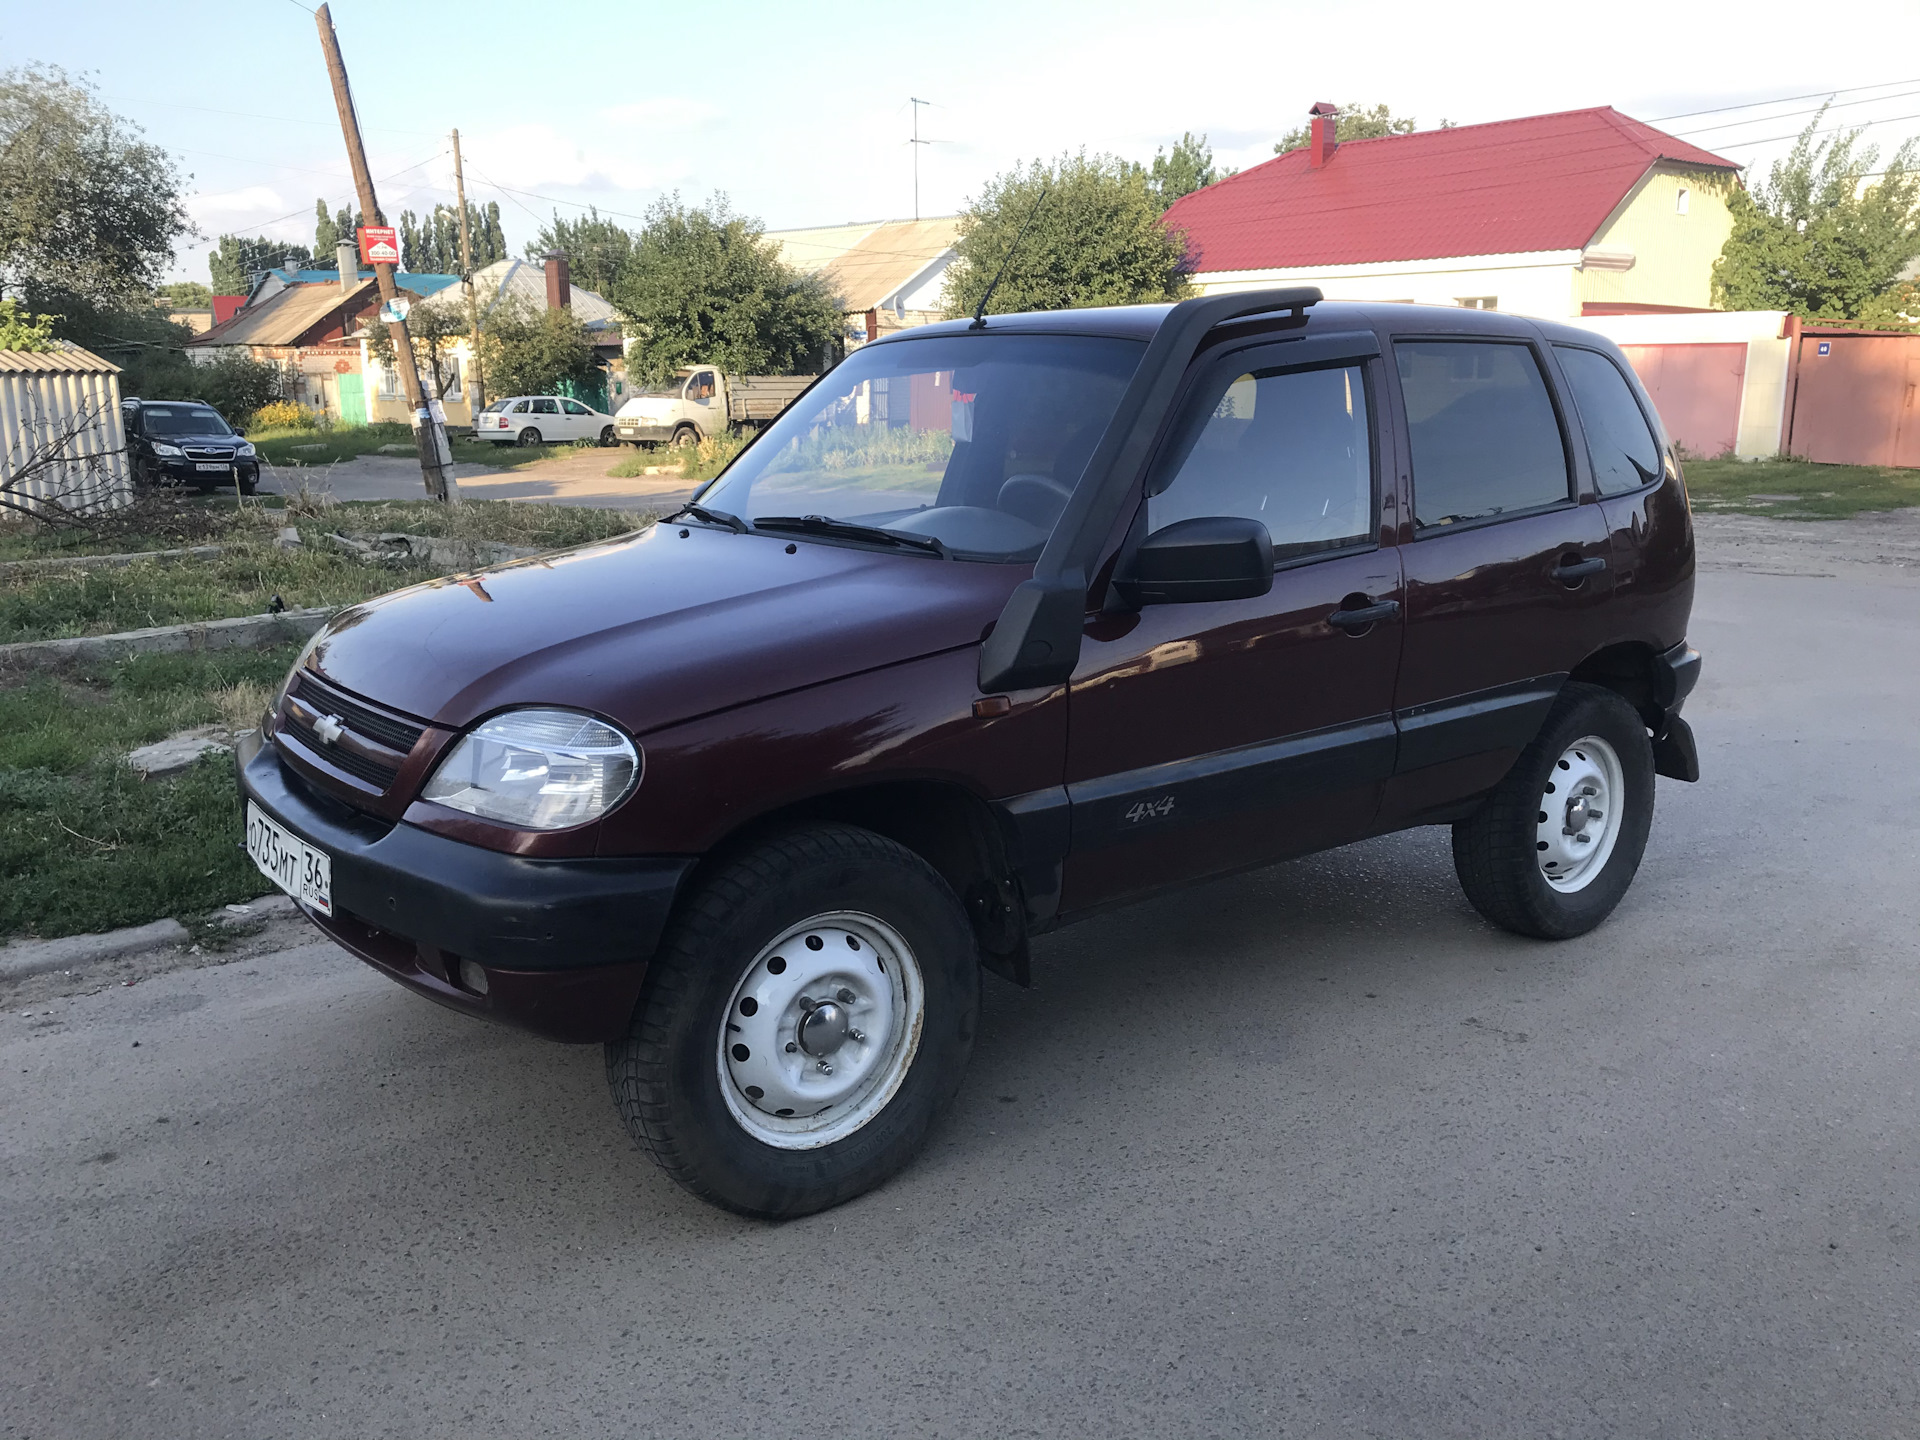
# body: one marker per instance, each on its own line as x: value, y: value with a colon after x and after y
x: 973, y: 440
x: 182, y: 420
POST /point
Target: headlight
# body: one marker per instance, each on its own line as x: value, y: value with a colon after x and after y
x: 172, y: 452
x: 245, y: 451
x: 537, y: 770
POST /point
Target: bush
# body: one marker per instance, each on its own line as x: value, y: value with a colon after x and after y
x: 282, y: 415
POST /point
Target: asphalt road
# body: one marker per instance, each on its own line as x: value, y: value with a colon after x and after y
x: 1312, y: 1152
x: 565, y: 476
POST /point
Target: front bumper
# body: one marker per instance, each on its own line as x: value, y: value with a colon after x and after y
x: 188, y: 472
x: 634, y: 430
x: 564, y: 944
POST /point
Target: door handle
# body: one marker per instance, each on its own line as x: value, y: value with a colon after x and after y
x: 1362, y: 617
x: 1572, y: 572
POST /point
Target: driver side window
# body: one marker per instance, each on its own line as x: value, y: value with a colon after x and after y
x: 1292, y: 449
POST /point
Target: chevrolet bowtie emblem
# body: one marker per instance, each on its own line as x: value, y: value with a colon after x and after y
x: 328, y: 728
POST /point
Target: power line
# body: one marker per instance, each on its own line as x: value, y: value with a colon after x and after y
x: 254, y: 114
x: 1791, y: 114
x: 1781, y: 100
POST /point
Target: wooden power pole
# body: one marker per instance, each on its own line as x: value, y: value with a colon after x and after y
x: 434, y: 455
x: 477, y: 393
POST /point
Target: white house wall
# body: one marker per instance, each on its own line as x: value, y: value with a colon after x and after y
x: 1538, y: 283
x: 1763, y: 398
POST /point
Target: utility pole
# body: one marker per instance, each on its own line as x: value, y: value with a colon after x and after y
x: 435, y: 457
x: 916, y: 142
x: 477, y: 392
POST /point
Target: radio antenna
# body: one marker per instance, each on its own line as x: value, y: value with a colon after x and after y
x: 980, y: 314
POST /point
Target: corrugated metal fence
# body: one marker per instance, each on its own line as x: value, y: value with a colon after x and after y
x: 61, y: 439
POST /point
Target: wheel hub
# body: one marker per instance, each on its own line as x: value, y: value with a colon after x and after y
x: 821, y: 1030
x: 1578, y: 814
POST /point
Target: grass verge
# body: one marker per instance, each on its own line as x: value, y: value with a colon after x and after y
x: 292, y: 448
x: 85, y: 844
x: 1799, y: 489
x: 694, y: 463
x: 253, y: 569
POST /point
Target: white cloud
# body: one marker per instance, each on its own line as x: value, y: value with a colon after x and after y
x: 662, y: 112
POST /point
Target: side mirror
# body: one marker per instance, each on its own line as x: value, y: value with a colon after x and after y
x: 1211, y: 557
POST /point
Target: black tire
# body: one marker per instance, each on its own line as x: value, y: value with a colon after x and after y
x: 249, y: 487
x: 686, y: 435
x: 607, y: 438
x: 665, y: 1080
x: 1495, y: 850
x: 527, y: 437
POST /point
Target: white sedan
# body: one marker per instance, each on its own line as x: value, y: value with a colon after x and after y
x: 541, y: 420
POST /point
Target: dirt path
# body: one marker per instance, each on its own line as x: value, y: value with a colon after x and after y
x: 1879, y: 546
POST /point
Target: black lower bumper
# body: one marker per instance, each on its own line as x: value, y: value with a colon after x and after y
x: 560, y: 942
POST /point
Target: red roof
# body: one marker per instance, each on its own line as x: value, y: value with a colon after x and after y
x: 1546, y: 182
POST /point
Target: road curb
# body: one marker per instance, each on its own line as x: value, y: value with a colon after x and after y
x: 245, y: 632
x: 53, y: 564
x: 22, y: 958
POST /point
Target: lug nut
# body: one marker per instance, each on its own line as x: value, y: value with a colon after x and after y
x: 825, y: 1068
x: 806, y: 1002
x: 845, y: 996
x: 856, y: 1035
x: 791, y: 1047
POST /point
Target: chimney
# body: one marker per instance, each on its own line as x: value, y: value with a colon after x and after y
x: 559, y: 281
x: 347, y: 256
x: 1322, y: 129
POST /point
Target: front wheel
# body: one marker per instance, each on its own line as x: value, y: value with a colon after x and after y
x: 686, y: 435
x: 1554, y: 848
x: 528, y: 437
x: 809, y: 1013
x: 607, y: 438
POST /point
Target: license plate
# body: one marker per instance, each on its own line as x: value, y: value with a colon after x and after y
x: 209, y: 465
x: 302, y: 870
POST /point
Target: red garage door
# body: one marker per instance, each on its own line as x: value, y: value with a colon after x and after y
x: 1854, y: 404
x: 1697, y: 390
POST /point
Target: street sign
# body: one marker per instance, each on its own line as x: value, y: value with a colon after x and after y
x: 393, y: 311
x: 379, y: 245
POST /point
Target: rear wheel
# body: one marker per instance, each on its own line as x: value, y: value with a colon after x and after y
x: 809, y: 1013
x: 528, y: 436
x: 1554, y: 848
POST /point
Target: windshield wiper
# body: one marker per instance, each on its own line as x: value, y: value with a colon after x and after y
x: 847, y: 530
x: 712, y: 517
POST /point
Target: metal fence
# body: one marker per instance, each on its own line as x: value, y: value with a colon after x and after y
x: 62, y: 444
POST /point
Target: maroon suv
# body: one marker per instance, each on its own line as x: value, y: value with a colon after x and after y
x: 1002, y: 623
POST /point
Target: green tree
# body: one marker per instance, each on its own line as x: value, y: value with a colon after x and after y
x: 1097, y: 240
x: 1189, y: 167
x: 330, y: 229
x: 529, y: 350
x: 596, y: 248
x: 184, y: 295
x: 1356, y: 122
x: 1814, y: 237
x: 20, y: 329
x: 705, y: 285
x: 236, y: 259
x: 435, y: 326
x: 87, y: 208
x: 430, y: 244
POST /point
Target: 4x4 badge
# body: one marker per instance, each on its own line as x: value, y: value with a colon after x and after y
x: 328, y: 729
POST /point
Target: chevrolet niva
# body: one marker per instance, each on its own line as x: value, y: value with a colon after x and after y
x: 1003, y: 622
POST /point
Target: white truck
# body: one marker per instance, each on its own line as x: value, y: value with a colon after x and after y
x: 699, y: 401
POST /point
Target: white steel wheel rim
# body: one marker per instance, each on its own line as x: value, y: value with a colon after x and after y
x: 824, y: 1025
x: 1580, y: 814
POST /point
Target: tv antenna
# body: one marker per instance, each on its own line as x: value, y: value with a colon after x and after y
x: 916, y: 143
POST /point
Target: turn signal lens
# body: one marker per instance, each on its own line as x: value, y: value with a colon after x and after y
x: 537, y: 770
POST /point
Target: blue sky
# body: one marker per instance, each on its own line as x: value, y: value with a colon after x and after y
x: 799, y: 111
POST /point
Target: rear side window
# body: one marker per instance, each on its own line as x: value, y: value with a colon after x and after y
x: 520, y: 407
x: 1485, y: 438
x: 1292, y: 449
x: 1624, y: 453
x: 545, y: 407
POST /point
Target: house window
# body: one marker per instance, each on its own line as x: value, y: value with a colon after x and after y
x: 1478, y: 302
x: 389, y: 382
x: 1680, y: 201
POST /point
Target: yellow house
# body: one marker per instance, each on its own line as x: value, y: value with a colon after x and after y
x: 1586, y: 212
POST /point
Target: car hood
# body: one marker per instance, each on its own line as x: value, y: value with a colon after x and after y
x: 655, y: 629
x: 209, y: 439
